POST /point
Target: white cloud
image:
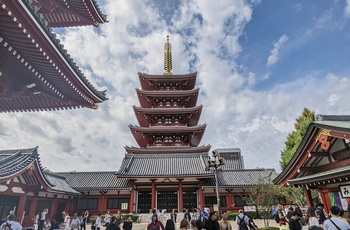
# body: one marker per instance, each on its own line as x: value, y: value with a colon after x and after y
x: 203, y: 40
x: 347, y: 9
x: 277, y: 46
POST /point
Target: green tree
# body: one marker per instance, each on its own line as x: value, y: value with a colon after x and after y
x: 263, y: 195
x: 294, y: 138
x: 297, y: 195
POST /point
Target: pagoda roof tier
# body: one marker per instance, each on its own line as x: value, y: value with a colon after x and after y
x: 36, y: 73
x: 60, y: 13
x: 189, y: 116
x: 167, y: 165
x: 167, y: 98
x: 177, y: 81
x: 166, y: 150
x: 143, y: 135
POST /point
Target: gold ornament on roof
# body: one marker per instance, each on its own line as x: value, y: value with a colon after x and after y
x: 168, y: 64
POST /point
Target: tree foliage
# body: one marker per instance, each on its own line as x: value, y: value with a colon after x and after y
x: 297, y: 195
x: 263, y: 195
x: 294, y: 138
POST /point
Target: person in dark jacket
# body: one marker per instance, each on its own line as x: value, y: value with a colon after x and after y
x: 169, y: 225
x: 294, y: 221
x: 127, y: 225
x: 212, y: 223
x: 113, y: 225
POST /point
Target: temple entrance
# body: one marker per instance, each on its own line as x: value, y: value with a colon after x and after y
x: 190, y: 200
x: 8, y: 205
x: 144, y: 202
x: 167, y: 200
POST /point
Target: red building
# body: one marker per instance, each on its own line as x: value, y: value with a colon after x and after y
x: 36, y: 72
x: 26, y: 188
x: 321, y: 162
x: 167, y: 171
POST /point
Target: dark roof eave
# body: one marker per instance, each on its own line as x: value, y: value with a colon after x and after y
x: 64, y: 55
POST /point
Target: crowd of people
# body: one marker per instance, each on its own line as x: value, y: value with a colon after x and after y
x: 293, y: 218
x: 202, y: 219
x: 315, y: 218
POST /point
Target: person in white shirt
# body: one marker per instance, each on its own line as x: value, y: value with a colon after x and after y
x: 11, y: 223
x: 335, y: 223
x: 42, y: 218
x: 67, y: 221
x: 75, y: 222
x: 98, y: 221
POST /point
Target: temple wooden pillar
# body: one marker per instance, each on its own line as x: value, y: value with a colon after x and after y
x: 308, y: 197
x: 131, y: 201
x: 102, y: 204
x: 21, y: 205
x: 180, y: 195
x: 201, y: 198
x: 153, y: 203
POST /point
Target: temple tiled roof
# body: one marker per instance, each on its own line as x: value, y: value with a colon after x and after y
x: 233, y: 178
x: 164, y: 165
x: 94, y: 180
x: 17, y: 161
x: 60, y: 184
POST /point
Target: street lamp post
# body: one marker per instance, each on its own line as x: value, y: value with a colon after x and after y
x: 213, y: 163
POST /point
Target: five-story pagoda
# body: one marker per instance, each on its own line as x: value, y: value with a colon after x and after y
x: 168, y: 168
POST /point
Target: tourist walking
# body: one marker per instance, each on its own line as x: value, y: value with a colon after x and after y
x: 67, y: 221
x: 173, y: 215
x: 212, y: 223
x: 294, y: 221
x: 169, y: 225
x: 335, y: 223
x: 11, y: 223
x: 155, y: 224
x: 223, y: 223
x: 85, y: 219
x: 98, y: 223
x: 184, y: 224
x: 42, y: 218
x: 107, y: 218
x: 187, y: 216
x: 242, y: 220
x: 320, y: 213
x: 113, y: 225
x: 310, y: 217
x: 75, y: 222
x: 127, y: 225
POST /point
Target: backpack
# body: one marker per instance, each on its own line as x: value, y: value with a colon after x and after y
x: 242, y: 224
x: 93, y: 227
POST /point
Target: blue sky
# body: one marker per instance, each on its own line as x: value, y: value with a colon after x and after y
x: 259, y: 64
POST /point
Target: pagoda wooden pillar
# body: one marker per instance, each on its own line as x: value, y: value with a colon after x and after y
x: 153, y: 203
x: 180, y: 196
x: 308, y: 197
x: 131, y: 201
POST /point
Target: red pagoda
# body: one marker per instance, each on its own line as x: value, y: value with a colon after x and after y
x: 36, y: 72
x: 169, y: 166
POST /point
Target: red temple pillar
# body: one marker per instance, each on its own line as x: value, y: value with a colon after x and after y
x: 131, y: 201
x: 21, y: 205
x: 180, y: 196
x: 201, y: 198
x: 308, y: 197
x: 153, y: 193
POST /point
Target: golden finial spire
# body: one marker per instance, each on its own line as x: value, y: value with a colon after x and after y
x: 168, y: 64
